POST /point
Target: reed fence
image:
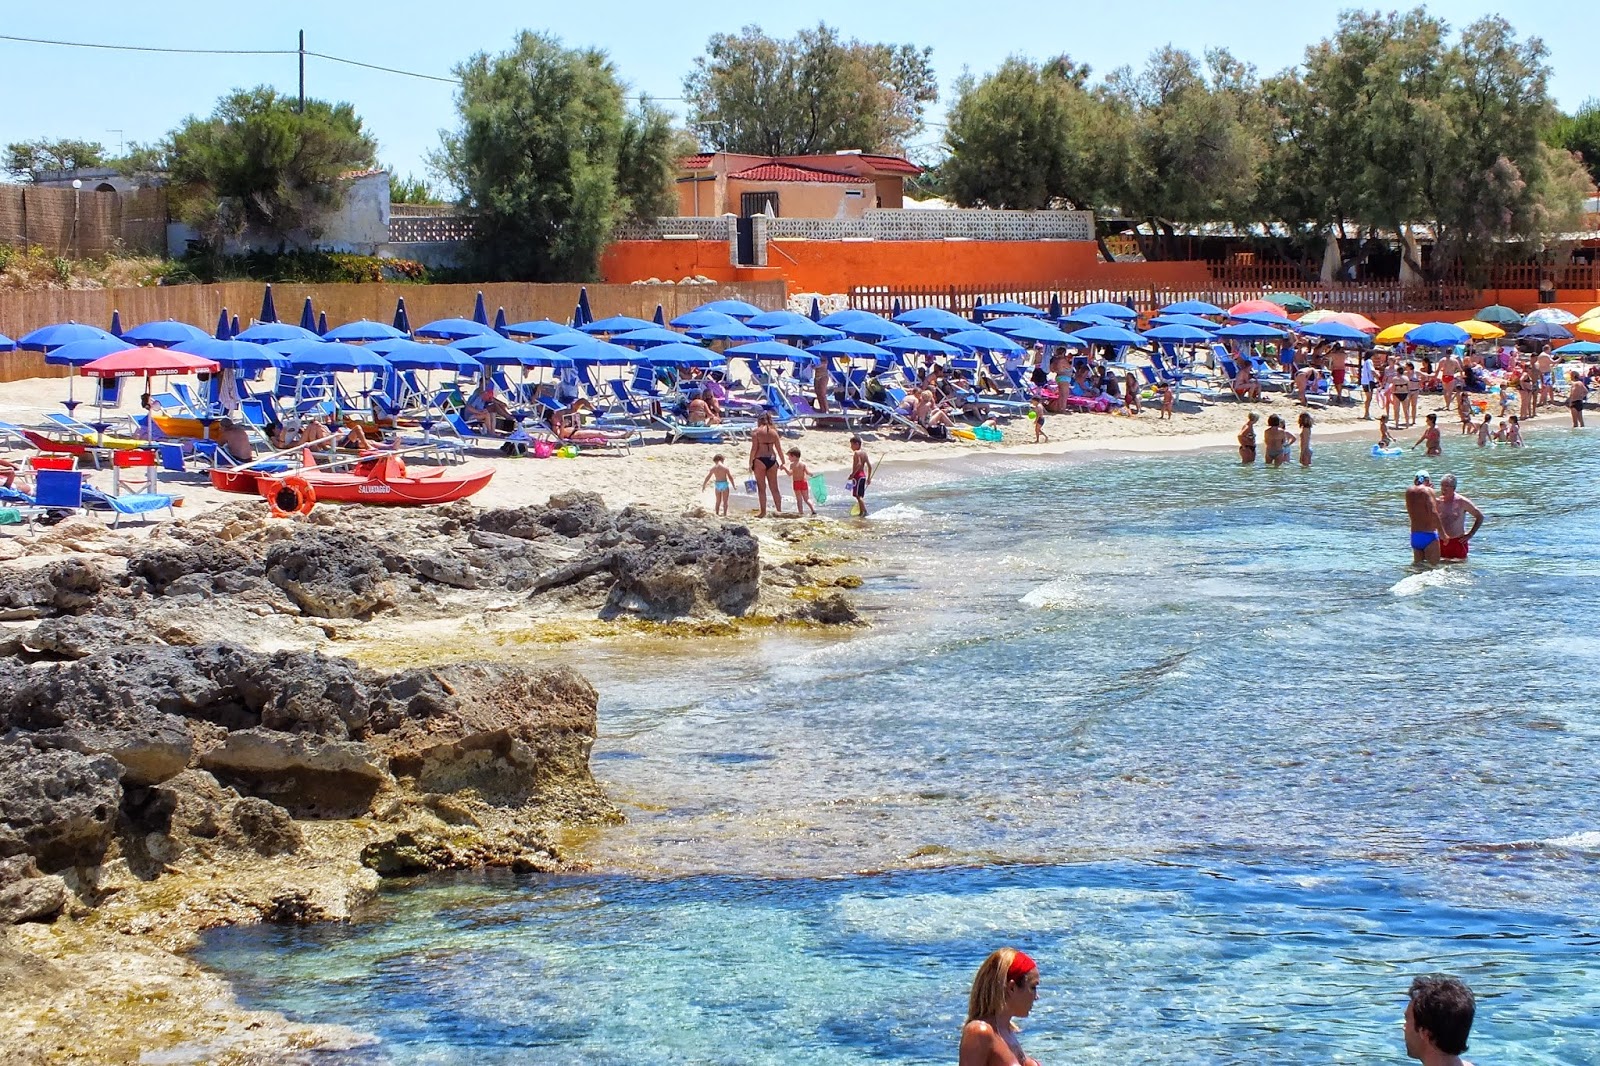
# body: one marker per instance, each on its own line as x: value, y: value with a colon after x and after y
x: 1366, y: 298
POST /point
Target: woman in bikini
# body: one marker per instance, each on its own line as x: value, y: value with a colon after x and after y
x: 1400, y: 397
x: 1305, y: 438
x: 1247, y: 440
x: 766, y: 459
x: 1005, y: 988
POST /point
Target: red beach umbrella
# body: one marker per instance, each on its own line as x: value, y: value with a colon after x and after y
x: 1258, y: 307
x: 1353, y: 320
x: 147, y: 362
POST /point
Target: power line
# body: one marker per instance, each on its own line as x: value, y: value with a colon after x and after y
x: 160, y: 50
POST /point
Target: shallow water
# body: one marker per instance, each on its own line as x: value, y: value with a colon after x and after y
x: 1198, y: 738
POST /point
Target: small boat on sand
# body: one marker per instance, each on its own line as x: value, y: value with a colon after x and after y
x: 376, y: 479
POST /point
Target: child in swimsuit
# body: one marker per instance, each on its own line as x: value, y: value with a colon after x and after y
x: 1384, y: 440
x: 802, y: 483
x: 1514, y: 432
x: 1483, y: 430
x: 721, y: 479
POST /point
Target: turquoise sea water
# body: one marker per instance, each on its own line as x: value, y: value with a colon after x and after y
x: 1197, y: 738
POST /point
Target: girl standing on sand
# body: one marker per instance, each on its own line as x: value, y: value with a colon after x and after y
x: 1004, y: 989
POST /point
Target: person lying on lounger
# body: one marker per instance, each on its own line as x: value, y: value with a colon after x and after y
x: 566, y: 425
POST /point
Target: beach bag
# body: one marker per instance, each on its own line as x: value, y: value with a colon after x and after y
x: 543, y: 449
x: 988, y: 433
x: 819, y: 488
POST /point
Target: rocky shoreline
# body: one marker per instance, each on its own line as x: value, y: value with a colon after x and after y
x: 178, y: 751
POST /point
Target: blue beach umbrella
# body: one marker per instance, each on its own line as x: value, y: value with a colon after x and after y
x: 770, y: 351
x: 482, y: 342
x: 850, y: 348
x: 363, y: 332
x: 9, y: 345
x: 803, y: 329
x: 559, y: 341
x: 241, y: 357
x: 1335, y: 331
x: 322, y: 323
x: 1263, y: 318
x: 453, y: 329
x: 983, y: 340
x: 403, y: 353
x: 815, y: 314
x: 1108, y: 335
x: 1008, y: 307
x: 919, y: 346
x: 1178, y: 333
x: 542, y: 327
x: 933, y: 318
x: 850, y: 314
x: 1543, y: 331
x: 1251, y: 331
x: 682, y: 355
x: 1438, y: 335
x: 500, y: 326
x: 1186, y: 319
x: 223, y: 332
x: 1055, y: 306
x: 328, y: 357
x: 616, y: 324
x: 735, y: 332
x: 166, y: 334
x: 896, y: 310
x: 85, y: 351
x: 269, y: 310
x: 585, y: 315
x: 49, y: 338
x: 233, y: 327
x: 873, y: 329
x: 116, y: 322
x: 480, y: 314
x: 1040, y: 332
x: 275, y: 333
x: 1107, y: 309
x: 660, y: 317
x: 531, y: 355
x: 603, y: 353
x: 1193, y: 307
x: 1006, y: 323
x: 1580, y: 348
x: 402, y: 321
x: 648, y: 337
x: 765, y: 320
x: 308, y: 317
x: 690, y: 319
x: 733, y: 308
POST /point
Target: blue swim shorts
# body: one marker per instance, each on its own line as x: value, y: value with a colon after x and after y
x: 1420, y: 541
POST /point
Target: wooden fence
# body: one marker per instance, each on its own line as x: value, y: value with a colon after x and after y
x: 1365, y: 298
x: 199, y: 305
x: 81, y: 223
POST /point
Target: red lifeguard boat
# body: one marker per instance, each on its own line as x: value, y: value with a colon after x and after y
x: 378, y: 479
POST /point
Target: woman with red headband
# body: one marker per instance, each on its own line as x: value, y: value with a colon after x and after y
x: 1005, y: 987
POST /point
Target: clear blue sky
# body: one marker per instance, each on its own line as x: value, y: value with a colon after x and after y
x: 114, y: 96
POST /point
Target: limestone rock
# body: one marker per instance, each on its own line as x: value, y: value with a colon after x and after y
x: 58, y: 806
x: 77, y: 636
x: 335, y: 574
x: 308, y: 775
x: 65, y: 586
x: 28, y: 896
x: 266, y: 827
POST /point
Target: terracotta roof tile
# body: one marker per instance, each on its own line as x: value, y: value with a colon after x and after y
x: 892, y: 163
x: 786, y: 172
x: 696, y: 162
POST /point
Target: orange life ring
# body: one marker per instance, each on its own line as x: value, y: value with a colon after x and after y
x: 291, y: 496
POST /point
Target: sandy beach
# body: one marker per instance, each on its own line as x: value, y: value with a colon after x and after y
x: 669, y: 476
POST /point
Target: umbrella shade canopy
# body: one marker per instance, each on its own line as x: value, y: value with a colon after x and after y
x: 1079, y: 320
x: 1311, y: 318
x: 920, y: 345
x: 308, y: 317
x: 803, y: 329
x: 1192, y: 307
x: 1256, y: 307
x: 603, y: 353
x: 682, y: 355
x: 1291, y: 302
x: 1178, y: 333
x: 163, y: 334
x: 1262, y: 318
x: 1551, y: 314
x: 529, y: 355
x: 1107, y: 309
x: 1335, y: 331
x: 735, y: 332
x: 1186, y: 320
x: 645, y: 338
x: 874, y: 329
x: 1499, y: 315
x: 932, y: 318
x: 1394, y: 334
x: 480, y: 313
x: 275, y: 333
x: 1437, y: 335
x: 1589, y: 327
x: 691, y: 319
x: 7, y: 344
x: 541, y: 327
x: 402, y: 320
x: 1009, y: 307
x: 561, y: 341
x: 1351, y: 319
x: 849, y: 314
x: 733, y: 308
x: 1579, y: 348
x: 85, y: 351
x: 269, y: 310
x: 362, y: 332
x: 48, y: 338
x: 483, y: 342
x: 1592, y: 313
x: 329, y: 357
x: 239, y: 356
x: 1005, y: 323
x: 1107, y: 335
x: 147, y: 362
x: 1481, y: 331
x: 1544, y: 331
x: 770, y: 351
x: 1251, y: 331
x: 616, y: 324
x: 403, y: 353
x: 851, y: 348
x: 983, y: 340
x: 1042, y: 332
x: 765, y: 320
x: 453, y: 329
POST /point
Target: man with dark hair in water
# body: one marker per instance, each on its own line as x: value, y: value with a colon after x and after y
x: 1438, y: 1019
x: 1422, y: 508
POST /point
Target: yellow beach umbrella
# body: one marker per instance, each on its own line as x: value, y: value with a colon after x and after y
x: 1592, y: 313
x: 1395, y: 333
x: 1484, y: 331
x: 1589, y: 326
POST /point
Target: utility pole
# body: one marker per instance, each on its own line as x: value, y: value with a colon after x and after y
x: 120, y: 144
x: 302, y: 72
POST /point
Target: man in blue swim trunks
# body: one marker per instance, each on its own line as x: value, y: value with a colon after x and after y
x: 1422, y: 507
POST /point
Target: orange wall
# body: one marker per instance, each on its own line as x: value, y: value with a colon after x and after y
x: 836, y: 266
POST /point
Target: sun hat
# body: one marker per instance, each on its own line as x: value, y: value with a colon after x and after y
x: 1422, y: 478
